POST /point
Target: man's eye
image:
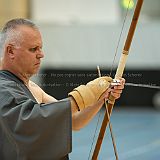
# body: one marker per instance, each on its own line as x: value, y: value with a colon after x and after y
x: 33, y: 49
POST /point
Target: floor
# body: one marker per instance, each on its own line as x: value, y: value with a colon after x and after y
x: 136, y: 131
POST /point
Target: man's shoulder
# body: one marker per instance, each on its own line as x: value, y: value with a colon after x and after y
x: 4, y: 82
x: 9, y: 87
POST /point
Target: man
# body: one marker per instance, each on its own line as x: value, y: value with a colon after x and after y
x: 33, y: 124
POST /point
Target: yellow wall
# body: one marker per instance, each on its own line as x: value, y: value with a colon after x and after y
x: 13, y: 8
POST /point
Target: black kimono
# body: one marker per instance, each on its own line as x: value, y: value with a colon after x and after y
x: 28, y: 130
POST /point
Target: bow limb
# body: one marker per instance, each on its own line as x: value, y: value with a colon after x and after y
x: 119, y: 74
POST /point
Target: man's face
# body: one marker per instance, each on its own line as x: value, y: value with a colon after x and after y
x: 27, y: 56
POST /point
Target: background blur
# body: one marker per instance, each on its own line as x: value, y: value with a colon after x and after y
x: 78, y: 35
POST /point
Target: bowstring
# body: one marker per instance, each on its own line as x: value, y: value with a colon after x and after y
x: 119, y: 39
x: 97, y: 124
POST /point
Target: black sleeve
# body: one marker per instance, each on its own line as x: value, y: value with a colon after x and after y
x: 36, y: 131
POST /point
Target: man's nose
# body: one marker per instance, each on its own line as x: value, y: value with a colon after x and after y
x: 40, y: 54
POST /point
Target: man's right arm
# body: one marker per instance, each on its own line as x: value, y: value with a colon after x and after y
x: 81, y: 116
x: 86, y: 105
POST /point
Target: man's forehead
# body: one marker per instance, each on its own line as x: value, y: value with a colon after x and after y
x: 28, y: 30
x: 30, y: 35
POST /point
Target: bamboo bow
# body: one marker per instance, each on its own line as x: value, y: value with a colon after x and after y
x: 119, y: 73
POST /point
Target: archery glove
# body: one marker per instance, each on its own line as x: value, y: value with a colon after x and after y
x: 89, y: 94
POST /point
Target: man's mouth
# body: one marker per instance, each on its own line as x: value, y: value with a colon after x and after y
x: 38, y: 63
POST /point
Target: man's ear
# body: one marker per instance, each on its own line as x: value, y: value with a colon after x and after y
x: 10, y: 51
